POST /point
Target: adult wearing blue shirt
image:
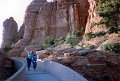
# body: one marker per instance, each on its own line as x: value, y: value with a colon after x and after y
x: 29, y: 59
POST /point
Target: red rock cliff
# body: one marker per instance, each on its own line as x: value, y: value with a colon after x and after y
x: 51, y: 19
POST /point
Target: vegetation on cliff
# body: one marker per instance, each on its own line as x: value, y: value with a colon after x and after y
x: 110, y: 11
x: 71, y: 38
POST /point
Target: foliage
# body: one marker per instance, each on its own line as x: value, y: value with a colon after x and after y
x: 112, y: 30
x: 108, y: 7
x: 7, y: 48
x: 72, y: 39
x: 119, y: 33
x: 48, y: 42
x: 60, y: 41
x: 106, y: 20
x: 90, y: 35
x: 102, y: 14
x: 100, y: 33
x: 79, y: 32
x: 91, y: 47
x: 114, y: 47
x: 109, y: 10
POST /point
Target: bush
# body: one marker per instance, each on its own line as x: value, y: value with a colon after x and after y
x: 48, y: 42
x: 7, y: 48
x: 103, y: 14
x: 100, y: 33
x: 114, y: 47
x: 109, y: 9
x: 90, y: 35
x: 79, y: 32
x: 60, y: 41
x: 112, y: 30
x: 72, y: 39
x: 91, y: 46
x: 106, y: 20
x: 119, y: 33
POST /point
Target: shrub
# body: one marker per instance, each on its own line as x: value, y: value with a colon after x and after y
x: 7, y: 48
x: 79, y: 32
x: 48, y: 42
x: 72, y: 39
x: 112, y: 30
x: 60, y: 41
x: 119, y: 33
x: 114, y: 47
x: 103, y: 14
x: 90, y: 35
x: 109, y: 9
x: 106, y: 20
x: 91, y: 46
x: 100, y: 33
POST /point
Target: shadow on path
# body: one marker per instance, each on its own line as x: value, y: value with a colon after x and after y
x: 37, y: 75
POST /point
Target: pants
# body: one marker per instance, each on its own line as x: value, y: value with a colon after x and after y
x: 34, y: 64
x: 29, y: 63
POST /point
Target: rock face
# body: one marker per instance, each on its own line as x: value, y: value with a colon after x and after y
x: 56, y: 19
x: 51, y: 19
x: 30, y: 24
x: 94, y: 18
x: 21, y: 32
x: 9, y: 32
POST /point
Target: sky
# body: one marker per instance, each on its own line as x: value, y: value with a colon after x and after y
x: 12, y: 8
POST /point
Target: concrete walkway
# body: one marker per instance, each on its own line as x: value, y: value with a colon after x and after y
x: 38, y: 75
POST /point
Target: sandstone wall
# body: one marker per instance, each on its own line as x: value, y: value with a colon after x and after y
x: 30, y: 25
x: 9, y: 32
x: 94, y: 18
x: 51, y: 19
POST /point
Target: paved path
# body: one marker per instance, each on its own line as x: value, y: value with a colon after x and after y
x: 38, y: 75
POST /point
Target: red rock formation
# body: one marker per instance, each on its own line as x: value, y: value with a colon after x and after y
x: 94, y: 18
x: 30, y: 24
x: 9, y: 32
x: 53, y: 19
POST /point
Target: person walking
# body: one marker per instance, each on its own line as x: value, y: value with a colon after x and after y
x: 29, y: 59
x: 34, y: 61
